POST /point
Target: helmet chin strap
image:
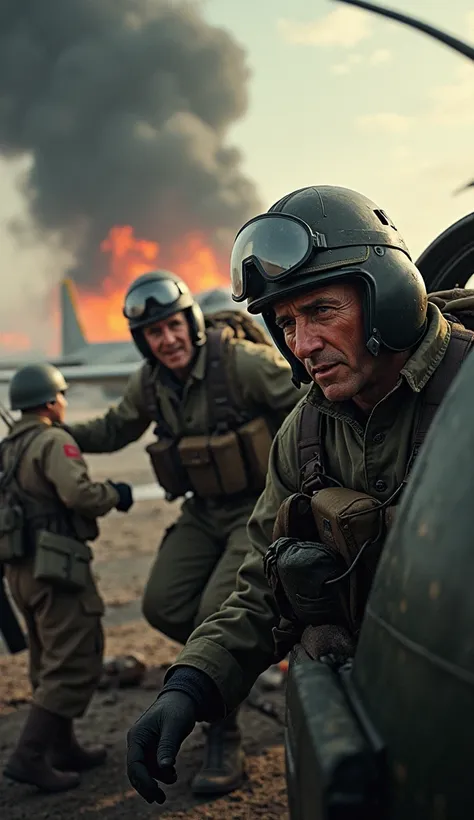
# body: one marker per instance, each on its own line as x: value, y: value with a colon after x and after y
x: 374, y: 343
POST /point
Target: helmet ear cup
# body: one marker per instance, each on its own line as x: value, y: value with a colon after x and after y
x: 395, y: 302
x: 196, y: 323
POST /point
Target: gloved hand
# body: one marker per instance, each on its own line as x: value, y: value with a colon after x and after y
x: 298, y: 573
x: 154, y: 741
x: 125, y: 493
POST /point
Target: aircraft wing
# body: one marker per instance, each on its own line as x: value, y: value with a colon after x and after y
x: 10, y: 363
x: 94, y: 374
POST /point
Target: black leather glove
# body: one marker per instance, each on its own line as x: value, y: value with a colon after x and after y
x: 298, y: 572
x: 154, y: 741
x: 125, y: 495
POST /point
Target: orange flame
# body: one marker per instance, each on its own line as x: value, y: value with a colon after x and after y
x: 193, y: 260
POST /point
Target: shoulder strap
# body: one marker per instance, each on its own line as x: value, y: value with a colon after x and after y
x: 9, y: 477
x: 310, y: 449
x: 438, y: 385
x: 151, y: 401
x: 222, y: 411
x: 309, y: 434
x: 149, y: 392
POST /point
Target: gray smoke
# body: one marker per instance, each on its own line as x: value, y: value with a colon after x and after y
x: 124, y: 107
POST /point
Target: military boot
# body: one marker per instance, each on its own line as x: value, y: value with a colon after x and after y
x: 68, y: 755
x: 29, y: 762
x: 223, y: 767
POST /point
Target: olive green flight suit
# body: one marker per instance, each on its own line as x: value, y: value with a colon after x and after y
x: 197, y: 562
x: 64, y: 628
x: 236, y: 644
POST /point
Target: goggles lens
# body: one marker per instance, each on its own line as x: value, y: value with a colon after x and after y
x: 275, y: 243
x: 163, y: 293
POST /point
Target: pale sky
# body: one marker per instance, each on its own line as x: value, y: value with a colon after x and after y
x: 340, y: 96
x: 337, y: 96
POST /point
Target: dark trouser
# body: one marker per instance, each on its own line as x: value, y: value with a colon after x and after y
x: 196, y: 566
x: 65, y: 640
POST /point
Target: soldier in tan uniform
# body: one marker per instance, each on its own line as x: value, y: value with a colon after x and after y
x: 216, y: 402
x: 349, y: 310
x: 48, y: 513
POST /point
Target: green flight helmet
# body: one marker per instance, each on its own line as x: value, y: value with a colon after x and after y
x: 413, y: 672
x: 35, y: 385
x: 155, y: 296
x: 321, y: 235
x: 216, y: 300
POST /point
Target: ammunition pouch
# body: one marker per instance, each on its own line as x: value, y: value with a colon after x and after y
x: 295, y: 519
x: 61, y: 561
x: 341, y: 526
x: 12, y: 535
x: 214, y: 464
x: 233, y: 459
x: 167, y: 466
x: 256, y: 441
x: 225, y: 464
x: 353, y: 524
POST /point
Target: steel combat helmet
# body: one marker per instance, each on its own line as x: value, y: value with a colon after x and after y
x: 35, y: 385
x: 324, y: 234
x: 155, y: 296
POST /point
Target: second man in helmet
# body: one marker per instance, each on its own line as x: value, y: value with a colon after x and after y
x: 216, y: 403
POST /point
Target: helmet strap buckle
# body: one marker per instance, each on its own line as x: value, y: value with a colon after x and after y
x: 374, y: 343
x: 319, y: 240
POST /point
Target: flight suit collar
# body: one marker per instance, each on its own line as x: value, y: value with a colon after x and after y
x: 415, y: 373
x: 427, y: 356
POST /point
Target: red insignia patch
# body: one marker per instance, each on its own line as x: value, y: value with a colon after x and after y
x: 71, y: 451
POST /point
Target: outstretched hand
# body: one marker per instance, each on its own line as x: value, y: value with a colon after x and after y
x: 154, y: 741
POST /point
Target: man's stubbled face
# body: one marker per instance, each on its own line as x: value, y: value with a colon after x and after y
x: 170, y: 342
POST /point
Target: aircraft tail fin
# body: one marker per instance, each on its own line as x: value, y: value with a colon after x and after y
x: 72, y: 331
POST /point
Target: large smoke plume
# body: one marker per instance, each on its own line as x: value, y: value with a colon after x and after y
x: 124, y: 108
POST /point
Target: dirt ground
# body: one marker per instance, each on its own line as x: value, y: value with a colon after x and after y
x: 123, y: 555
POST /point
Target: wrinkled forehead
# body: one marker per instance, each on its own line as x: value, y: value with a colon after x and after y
x: 336, y: 293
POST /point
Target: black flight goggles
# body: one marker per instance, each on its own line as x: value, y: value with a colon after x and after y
x: 276, y: 245
x: 160, y: 292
